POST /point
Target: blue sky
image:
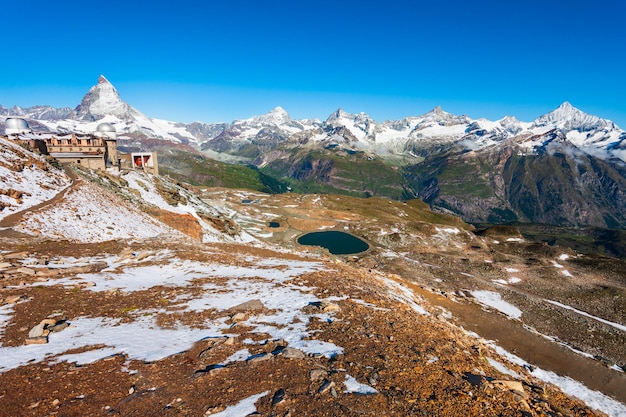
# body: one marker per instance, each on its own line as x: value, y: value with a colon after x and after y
x: 218, y: 61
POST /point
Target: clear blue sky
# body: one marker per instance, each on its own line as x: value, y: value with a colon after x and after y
x: 222, y: 60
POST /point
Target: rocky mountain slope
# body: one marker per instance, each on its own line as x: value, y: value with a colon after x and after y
x: 565, y: 168
x: 113, y: 303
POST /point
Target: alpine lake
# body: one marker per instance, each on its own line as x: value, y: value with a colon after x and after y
x: 337, y: 242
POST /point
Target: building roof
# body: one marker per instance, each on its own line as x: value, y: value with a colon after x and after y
x: 16, y: 125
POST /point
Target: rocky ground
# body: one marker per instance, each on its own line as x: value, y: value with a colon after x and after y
x: 393, y: 358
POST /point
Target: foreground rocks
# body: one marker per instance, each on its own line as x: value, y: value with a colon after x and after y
x: 394, y: 361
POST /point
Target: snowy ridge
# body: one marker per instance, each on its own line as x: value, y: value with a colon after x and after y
x: 145, y: 186
x: 26, y: 180
x: 590, y: 134
x: 88, y: 214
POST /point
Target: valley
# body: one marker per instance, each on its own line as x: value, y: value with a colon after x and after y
x: 449, y: 264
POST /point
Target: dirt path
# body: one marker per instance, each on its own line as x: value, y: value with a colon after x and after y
x: 8, y: 223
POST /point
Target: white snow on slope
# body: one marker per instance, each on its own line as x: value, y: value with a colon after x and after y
x: 144, y: 184
x: 354, y: 386
x: 593, y: 399
x: 89, y: 214
x: 244, y: 407
x: 494, y: 300
x: 582, y: 313
x: 34, y: 184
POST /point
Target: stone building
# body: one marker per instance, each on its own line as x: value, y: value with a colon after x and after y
x: 95, y: 151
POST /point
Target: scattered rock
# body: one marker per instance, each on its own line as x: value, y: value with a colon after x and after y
x: 209, y: 370
x: 292, y: 353
x: 5, y: 265
x: 278, y: 397
x: 237, y: 317
x: 59, y: 326
x: 45, y: 272
x: 322, y: 305
x: 142, y: 255
x: 25, y: 271
x: 515, y: 386
x: 318, y: 374
x: 48, y: 322
x: 16, y: 255
x: 326, y: 386
x: 37, y: 331
x: 252, y: 305
x: 330, y: 307
x: 84, y: 269
x: 14, y: 299
x: 259, y: 358
x: 39, y: 340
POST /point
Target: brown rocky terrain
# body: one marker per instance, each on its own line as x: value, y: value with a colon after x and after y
x: 418, y: 364
x: 168, y: 325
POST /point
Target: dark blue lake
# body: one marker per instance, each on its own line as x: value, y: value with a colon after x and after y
x: 337, y: 243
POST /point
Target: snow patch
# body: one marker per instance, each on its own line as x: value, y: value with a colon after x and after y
x: 244, y: 407
x: 494, y: 300
x: 353, y: 386
x: 582, y: 313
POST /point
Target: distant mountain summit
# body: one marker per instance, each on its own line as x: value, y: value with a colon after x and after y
x: 568, y: 117
x: 102, y: 103
x: 103, y: 100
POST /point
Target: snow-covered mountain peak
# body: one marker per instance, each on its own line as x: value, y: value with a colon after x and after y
x: 437, y: 111
x: 102, y: 80
x: 276, y: 116
x: 508, y: 120
x: 568, y: 117
x: 341, y: 117
x: 102, y: 100
x: 336, y: 115
x: 443, y: 118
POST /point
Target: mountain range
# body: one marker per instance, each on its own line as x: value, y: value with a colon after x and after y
x: 564, y: 168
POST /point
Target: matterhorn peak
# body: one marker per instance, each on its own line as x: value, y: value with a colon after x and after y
x: 102, y: 80
x: 437, y: 110
x: 342, y: 114
x: 102, y: 100
x: 566, y: 106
